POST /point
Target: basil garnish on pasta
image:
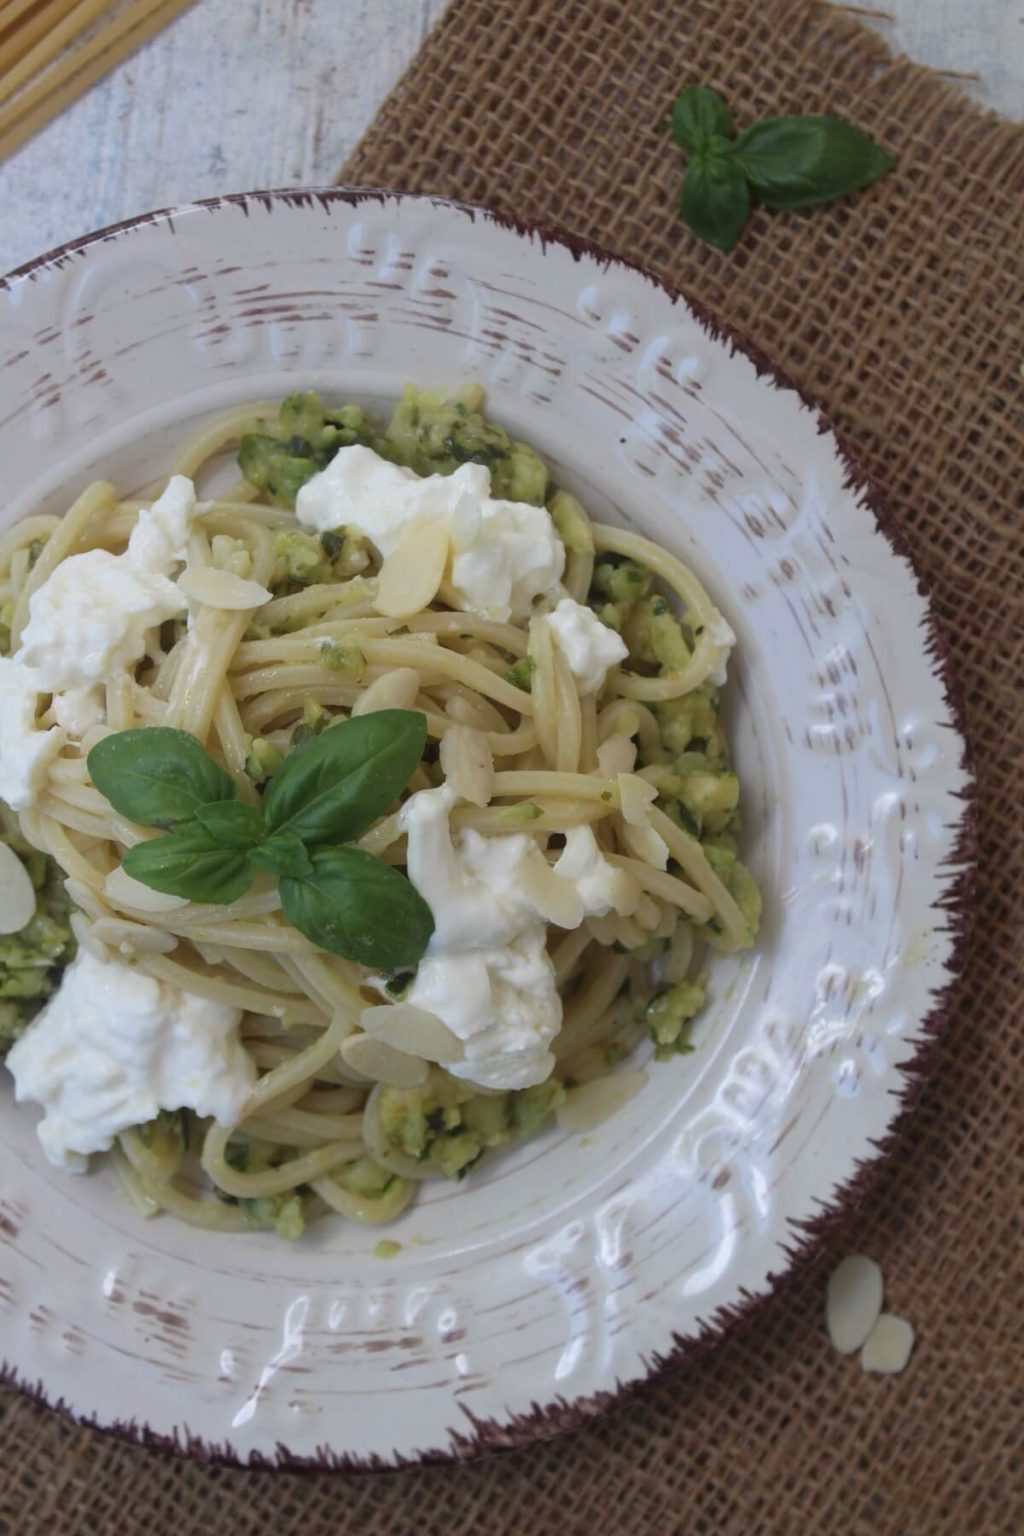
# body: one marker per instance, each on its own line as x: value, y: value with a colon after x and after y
x: 156, y: 776
x: 330, y: 790
x: 357, y: 906
x: 327, y: 792
x: 190, y: 862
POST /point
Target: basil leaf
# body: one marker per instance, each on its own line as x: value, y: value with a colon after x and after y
x: 282, y: 854
x: 714, y: 200
x: 359, y: 907
x: 794, y: 162
x: 157, y: 776
x: 697, y: 114
x: 232, y: 824
x: 188, y: 862
x: 331, y: 788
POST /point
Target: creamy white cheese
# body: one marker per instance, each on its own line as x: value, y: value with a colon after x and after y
x: 504, y: 554
x: 470, y: 883
x: 79, y: 709
x: 160, y: 536
x: 90, y: 618
x: 724, y: 639
x: 583, y: 864
x: 114, y: 1046
x: 487, y: 973
x: 502, y: 1003
x: 26, y: 752
x: 87, y: 623
x: 589, y: 646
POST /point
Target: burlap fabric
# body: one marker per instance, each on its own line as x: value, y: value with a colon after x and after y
x: 901, y: 312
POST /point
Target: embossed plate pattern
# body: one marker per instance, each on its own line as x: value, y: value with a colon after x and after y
x: 526, y: 1296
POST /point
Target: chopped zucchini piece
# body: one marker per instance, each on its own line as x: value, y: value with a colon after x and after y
x: 263, y: 761
x: 668, y: 1013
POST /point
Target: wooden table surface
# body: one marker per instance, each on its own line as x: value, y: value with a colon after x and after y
x: 240, y: 94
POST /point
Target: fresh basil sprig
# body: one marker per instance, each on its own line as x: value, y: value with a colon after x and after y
x: 283, y: 853
x: 159, y: 776
x: 189, y: 861
x: 348, y: 902
x: 785, y: 162
x: 699, y: 115
x: 714, y: 200
x: 331, y: 795
x: 327, y: 791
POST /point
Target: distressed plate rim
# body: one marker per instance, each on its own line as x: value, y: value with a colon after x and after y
x: 809, y: 1237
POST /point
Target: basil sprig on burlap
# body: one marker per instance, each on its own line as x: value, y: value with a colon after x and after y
x: 327, y: 791
x: 785, y: 162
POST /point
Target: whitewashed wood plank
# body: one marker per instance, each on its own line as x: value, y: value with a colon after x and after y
x: 235, y: 94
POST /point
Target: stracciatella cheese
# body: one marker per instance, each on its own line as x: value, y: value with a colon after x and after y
x: 582, y: 863
x: 724, y: 638
x: 502, y: 1003
x: 87, y: 624
x: 504, y: 554
x: 487, y: 973
x: 26, y: 752
x: 78, y: 709
x: 90, y: 618
x: 114, y: 1046
x: 589, y: 646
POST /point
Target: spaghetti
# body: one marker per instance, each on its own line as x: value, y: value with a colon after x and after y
x: 643, y: 763
x: 44, y: 66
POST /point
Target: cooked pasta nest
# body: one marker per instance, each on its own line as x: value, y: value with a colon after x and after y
x: 645, y: 763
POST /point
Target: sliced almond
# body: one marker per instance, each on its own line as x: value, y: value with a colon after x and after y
x: 395, y: 690
x: 381, y: 1063
x: 410, y: 576
x: 123, y: 891
x: 468, y: 763
x: 636, y: 797
x: 591, y: 1104
x: 854, y: 1302
x: 221, y: 589
x: 645, y: 844
x: 888, y: 1346
x: 616, y: 755
x: 412, y: 1029
x: 555, y: 898
x: 17, y: 893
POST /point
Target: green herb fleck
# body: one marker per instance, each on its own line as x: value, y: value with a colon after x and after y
x: 521, y: 674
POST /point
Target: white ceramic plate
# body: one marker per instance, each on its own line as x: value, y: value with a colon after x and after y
x: 522, y: 1299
